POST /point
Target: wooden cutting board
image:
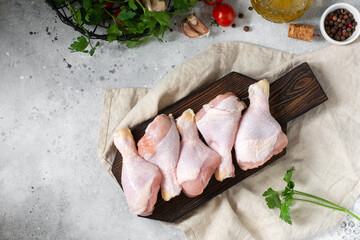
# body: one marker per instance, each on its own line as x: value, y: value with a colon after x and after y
x: 293, y: 94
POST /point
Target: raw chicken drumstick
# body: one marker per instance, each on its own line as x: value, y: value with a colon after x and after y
x: 218, y: 122
x: 139, y: 178
x: 259, y: 136
x: 161, y: 146
x: 197, y: 162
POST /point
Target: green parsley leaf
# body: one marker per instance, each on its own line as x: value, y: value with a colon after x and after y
x: 285, y: 209
x: 134, y: 43
x: 92, y: 51
x: 288, y: 175
x: 113, y: 32
x: 80, y: 45
x: 86, y: 4
x: 78, y: 17
x: 132, y: 4
x: 182, y: 5
x: 164, y: 18
x: 150, y: 22
x: 111, y: 38
x: 273, y: 199
x: 135, y: 27
x: 125, y: 15
x: 192, y: 3
x: 95, y: 16
x: 159, y: 32
x: 286, y: 191
x: 88, y: 14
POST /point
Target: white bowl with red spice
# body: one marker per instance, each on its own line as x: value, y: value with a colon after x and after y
x: 356, y: 15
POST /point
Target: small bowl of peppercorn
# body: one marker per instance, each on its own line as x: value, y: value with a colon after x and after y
x: 338, y: 24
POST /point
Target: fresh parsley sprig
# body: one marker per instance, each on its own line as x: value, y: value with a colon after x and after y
x: 82, y: 43
x: 284, y: 199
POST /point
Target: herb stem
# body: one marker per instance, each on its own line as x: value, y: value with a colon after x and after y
x: 336, y: 207
x: 309, y: 201
x: 110, y: 14
x: 88, y: 36
x: 352, y: 214
x: 317, y: 198
x: 72, y: 12
x: 141, y: 5
x: 283, y: 199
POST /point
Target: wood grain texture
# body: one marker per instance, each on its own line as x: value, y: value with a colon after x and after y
x: 293, y: 94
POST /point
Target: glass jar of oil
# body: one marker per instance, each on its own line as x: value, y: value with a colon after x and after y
x: 281, y: 10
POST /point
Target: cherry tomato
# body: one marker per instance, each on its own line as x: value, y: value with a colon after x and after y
x: 211, y: 2
x: 224, y: 14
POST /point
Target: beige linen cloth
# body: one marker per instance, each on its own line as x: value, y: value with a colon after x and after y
x: 324, y: 143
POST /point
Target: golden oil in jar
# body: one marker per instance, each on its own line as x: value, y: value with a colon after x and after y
x: 280, y: 10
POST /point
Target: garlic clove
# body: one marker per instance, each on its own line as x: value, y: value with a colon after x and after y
x: 158, y: 5
x: 147, y: 4
x: 155, y: 5
x: 194, y: 28
x: 197, y: 25
x: 188, y: 30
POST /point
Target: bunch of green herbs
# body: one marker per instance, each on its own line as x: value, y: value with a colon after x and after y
x: 134, y: 21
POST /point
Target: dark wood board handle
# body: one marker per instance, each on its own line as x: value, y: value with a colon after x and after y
x: 293, y: 94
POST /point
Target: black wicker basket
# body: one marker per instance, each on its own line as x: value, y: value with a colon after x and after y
x: 96, y: 32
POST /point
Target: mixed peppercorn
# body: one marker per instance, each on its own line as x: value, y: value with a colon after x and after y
x: 340, y: 24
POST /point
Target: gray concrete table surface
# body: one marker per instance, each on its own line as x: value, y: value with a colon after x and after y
x: 52, y: 185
